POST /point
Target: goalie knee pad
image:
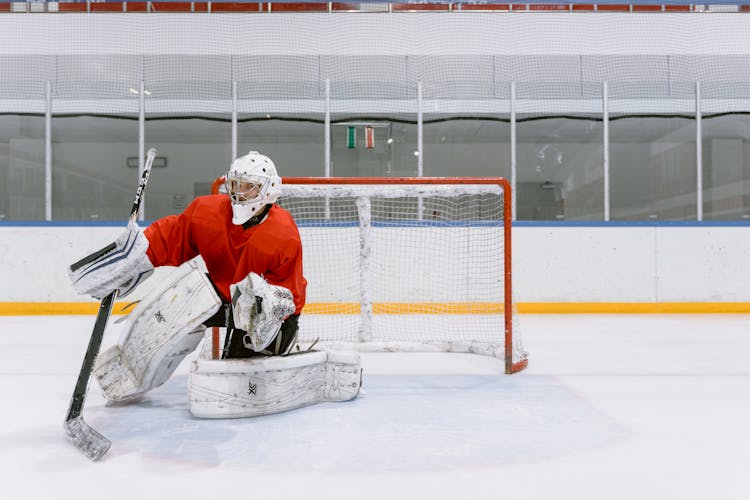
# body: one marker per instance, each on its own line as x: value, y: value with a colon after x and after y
x: 164, y: 328
x: 233, y: 388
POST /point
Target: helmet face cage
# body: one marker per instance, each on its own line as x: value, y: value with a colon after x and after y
x: 245, y: 188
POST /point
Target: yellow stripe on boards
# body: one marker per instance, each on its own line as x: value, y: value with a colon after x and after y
x: 57, y: 308
x: 536, y: 308
x: 331, y: 308
x: 437, y: 308
x: 64, y: 308
x: 405, y: 308
x: 633, y: 307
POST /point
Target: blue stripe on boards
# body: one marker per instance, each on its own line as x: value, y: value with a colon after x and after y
x: 324, y: 223
x: 403, y: 223
x: 69, y: 223
x: 633, y: 223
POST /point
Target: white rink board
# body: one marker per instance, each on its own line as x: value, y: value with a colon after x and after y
x: 550, y: 264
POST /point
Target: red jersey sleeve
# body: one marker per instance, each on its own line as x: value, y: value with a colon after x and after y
x: 170, y: 241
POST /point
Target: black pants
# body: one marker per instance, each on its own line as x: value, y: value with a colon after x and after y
x: 234, y: 347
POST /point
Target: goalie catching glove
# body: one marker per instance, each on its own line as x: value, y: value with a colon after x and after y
x: 120, y: 266
x: 260, y: 308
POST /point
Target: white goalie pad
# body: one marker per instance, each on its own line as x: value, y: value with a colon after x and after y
x: 164, y: 327
x: 234, y: 388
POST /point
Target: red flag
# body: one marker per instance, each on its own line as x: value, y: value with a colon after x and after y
x: 369, y: 137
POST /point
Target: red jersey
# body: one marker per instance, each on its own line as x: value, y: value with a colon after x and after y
x: 272, y: 249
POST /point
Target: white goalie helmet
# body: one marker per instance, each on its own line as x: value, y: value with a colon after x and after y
x: 252, y: 183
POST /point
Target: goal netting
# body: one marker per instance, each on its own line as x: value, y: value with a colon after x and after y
x: 419, y: 264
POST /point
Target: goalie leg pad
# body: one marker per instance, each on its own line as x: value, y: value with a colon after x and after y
x: 165, y: 327
x: 234, y: 388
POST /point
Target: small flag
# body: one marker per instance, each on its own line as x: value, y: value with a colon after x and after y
x: 369, y: 137
x: 351, y: 138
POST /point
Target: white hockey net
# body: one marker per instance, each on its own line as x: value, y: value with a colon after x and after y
x: 407, y: 264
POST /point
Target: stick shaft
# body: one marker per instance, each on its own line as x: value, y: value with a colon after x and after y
x: 88, y: 440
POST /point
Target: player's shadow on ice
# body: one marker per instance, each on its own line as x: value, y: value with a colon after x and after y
x: 160, y: 424
x: 403, y: 423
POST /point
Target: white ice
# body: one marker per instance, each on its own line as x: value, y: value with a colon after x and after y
x: 610, y: 407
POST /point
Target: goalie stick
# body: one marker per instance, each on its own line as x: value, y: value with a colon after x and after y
x: 84, y: 437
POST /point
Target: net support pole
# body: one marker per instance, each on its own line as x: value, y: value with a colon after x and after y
x: 48, y: 154
x: 327, y: 144
x: 698, y: 153
x: 420, y: 135
x: 605, y: 146
x: 141, y: 140
x: 420, y: 147
x: 513, y: 151
x: 234, y: 120
x: 364, y: 212
x: 327, y: 131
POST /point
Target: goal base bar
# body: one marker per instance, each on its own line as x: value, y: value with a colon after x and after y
x: 483, y: 348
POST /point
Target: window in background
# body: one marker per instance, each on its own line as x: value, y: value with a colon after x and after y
x: 364, y: 146
x: 560, y: 168
x: 726, y: 166
x: 189, y: 121
x: 194, y: 152
x: 22, y: 167
x: 294, y: 143
x: 90, y: 178
x: 652, y: 167
x: 23, y: 104
x: 372, y: 97
x: 281, y: 111
x: 94, y: 129
x: 652, y: 155
x: 559, y: 144
x: 466, y: 146
x: 466, y: 116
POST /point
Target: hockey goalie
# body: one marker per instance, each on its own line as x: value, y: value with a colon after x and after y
x: 252, y: 285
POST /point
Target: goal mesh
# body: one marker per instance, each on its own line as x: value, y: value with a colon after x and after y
x: 406, y: 264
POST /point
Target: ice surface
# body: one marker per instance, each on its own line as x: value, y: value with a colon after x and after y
x: 610, y: 407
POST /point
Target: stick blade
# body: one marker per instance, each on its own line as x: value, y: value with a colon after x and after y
x: 86, y: 438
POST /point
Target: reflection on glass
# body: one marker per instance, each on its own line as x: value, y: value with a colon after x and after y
x: 90, y: 175
x: 21, y: 167
x: 652, y: 167
x: 726, y: 166
x: 197, y: 150
x: 560, y: 168
x: 374, y: 147
x: 467, y: 147
x: 295, y: 144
